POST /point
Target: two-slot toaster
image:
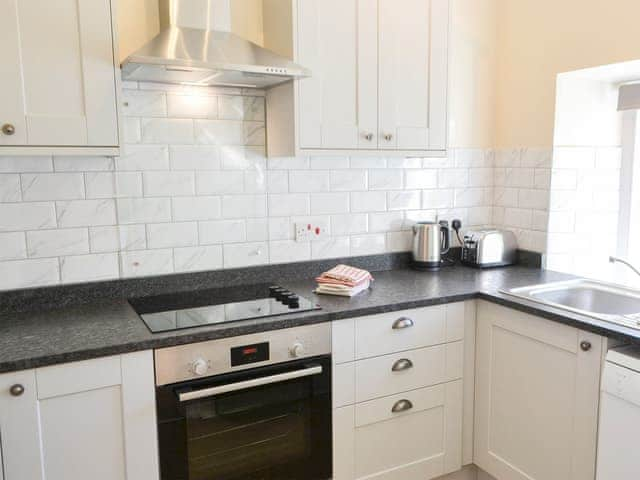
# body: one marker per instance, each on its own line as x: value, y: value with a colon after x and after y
x: 489, y: 248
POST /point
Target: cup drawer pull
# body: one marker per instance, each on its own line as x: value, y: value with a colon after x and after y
x: 401, y: 406
x: 402, y: 364
x: 402, y: 322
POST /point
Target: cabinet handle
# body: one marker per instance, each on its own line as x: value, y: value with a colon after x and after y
x: 16, y: 390
x: 402, y: 322
x: 368, y: 136
x: 8, y: 129
x: 585, y: 346
x: 388, y: 137
x: 402, y: 364
x: 401, y: 406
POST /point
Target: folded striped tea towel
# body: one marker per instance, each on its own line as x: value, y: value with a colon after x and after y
x: 344, y: 280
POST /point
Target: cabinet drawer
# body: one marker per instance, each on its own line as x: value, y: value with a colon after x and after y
x: 400, y: 372
x: 409, y: 444
x: 408, y: 329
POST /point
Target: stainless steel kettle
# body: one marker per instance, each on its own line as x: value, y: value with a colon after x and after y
x: 430, y: 242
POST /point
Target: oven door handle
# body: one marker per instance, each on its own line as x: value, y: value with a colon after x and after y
x: 255, y: 382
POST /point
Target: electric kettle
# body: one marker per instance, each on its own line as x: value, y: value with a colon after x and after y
x: 430, y: 242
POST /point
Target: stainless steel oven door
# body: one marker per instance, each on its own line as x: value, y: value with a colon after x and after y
x: 262, y: 424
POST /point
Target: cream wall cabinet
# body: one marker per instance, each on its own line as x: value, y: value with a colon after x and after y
x: 537, y: 387
x: 378, y: 83
x: 400, y: 394
x: 60, y: 422
x: 59, y: 79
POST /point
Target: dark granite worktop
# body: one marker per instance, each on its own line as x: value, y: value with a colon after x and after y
x: 56, y: 335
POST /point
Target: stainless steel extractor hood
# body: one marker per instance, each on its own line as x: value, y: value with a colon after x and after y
x: 195, y: 47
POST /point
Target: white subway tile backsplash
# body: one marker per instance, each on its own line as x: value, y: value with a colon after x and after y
x: 146, y: 262
x: 168, y: 184
x: 280, y: 228
x: 308, y: 181
x: 287, y: 204
x: 422, y: 178
x: 25, y: 164
x: 470, y: 197
x: 10, y: 188
x: 536, y: 199
x: 196, y: 208
x: 219, y: 132
x: 143, y: 210
x: 452, y: 178
x: 399, y: 241
x: 386, y: 222
x: 368, y: 201
x: 89, y: 268
x: 191, y: 106
x: 56, y: 243
x: 219, y: 182
x: 143, y: 157
x: 257, y: 229
x: 113, y: 184
x: 329, y: 203
x: 193, y: 259
x: 117, y: 238
x: 254, y: 133
x: 194, y: 157
x: 131, y: 130
x: 328, y: 163
x: 27, y: 216
x: 167, y: 130
x: 440, y: 198
x: 348, y: 224
x: 165, y: 235
x: 370, y: 244
x: 12, y: 246
x: 83, y: 164
x: 137, y: 103
x: 518, y: 218
x: 404, y: 200
x: 285, y: 251
x: 386, y: 179
x: 368, y: 162
x: 409, y: 162
x: 245, y: 254
x: 52, y: 186
x: 244, y: 206
x: 222, y: 231
x: 334, y: 247
x: 29, y: 273
x: 574, y: 157
x: 348, y: 180
x: 231, y: 107
x: 86, y: 213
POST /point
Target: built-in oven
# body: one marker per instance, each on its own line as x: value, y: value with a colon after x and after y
x: 256, y: 407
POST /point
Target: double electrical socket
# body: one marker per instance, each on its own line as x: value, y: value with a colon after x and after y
x: 308, y: 232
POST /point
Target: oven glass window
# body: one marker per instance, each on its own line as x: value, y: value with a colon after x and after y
x: 278, y: 431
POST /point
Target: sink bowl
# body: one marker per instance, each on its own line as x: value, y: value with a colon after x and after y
x: 604, y: 301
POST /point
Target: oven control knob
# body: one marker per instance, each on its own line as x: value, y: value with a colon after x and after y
x: 297, y: 350
x: 199, y: 367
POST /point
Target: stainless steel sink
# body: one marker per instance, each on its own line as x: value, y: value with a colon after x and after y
x: 609, y: 302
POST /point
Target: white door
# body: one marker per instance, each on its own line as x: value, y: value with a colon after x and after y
x: 74, y: 417
x: 58, y: 76
x: 537, y: 387
x: 412, y: 40
x: 337, y: 106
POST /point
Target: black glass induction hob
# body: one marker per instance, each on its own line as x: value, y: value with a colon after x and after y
x: 176, y: 311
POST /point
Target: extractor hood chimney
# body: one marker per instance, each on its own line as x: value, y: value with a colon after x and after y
x: 195, y: 46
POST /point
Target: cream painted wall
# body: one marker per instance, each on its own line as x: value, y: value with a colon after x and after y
x: 472, y: 73
x: 537, y: 40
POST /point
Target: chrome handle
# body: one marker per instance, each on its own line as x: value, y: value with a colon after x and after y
x: 402, y: 322
x: 401, y: 406
x: 255, y: 382
x: 585, y: 346
x: 16, y: 390
x: 402, y: 364
x: 388, y: 137
x: 368, y: 136
x: 8, y: 129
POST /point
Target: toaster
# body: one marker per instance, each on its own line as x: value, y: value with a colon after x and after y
x: 489, y: 248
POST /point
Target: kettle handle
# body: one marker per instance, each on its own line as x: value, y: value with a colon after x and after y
x: 444, y: 230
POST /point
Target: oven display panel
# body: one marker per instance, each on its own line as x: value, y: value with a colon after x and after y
x: 246, y: 354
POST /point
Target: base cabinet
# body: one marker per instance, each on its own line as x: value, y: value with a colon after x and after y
x: 537, y: 389
x: 71, y: 418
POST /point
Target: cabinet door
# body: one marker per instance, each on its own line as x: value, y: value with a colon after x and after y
x: 337, y: 41
x: 413, y: 37
x: 536, y: 397
x: 75, y: 416
x: 59, y: 86
x: 20, y: 427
